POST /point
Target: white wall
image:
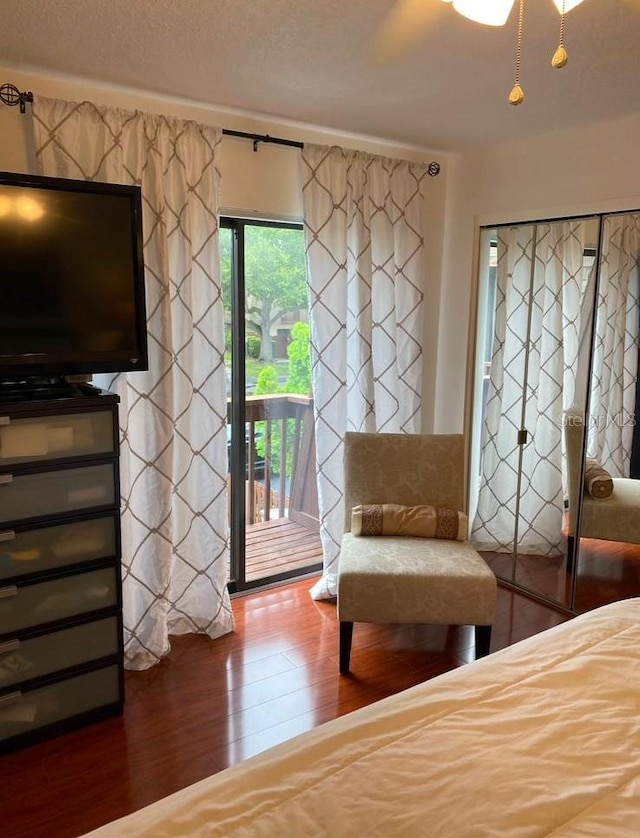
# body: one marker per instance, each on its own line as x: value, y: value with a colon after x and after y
x: 594, y: 168
x: 264, y: 184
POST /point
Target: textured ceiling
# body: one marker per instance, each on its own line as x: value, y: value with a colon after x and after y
x: 310, y: 60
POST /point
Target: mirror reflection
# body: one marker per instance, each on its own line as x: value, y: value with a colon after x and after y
x: 555, y: 456
x: 608, y: 565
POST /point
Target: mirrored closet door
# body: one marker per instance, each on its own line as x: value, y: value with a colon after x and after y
x: 537, y: 288
x: 606, y: 445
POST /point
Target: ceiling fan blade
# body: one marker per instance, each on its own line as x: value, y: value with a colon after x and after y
x: 405, y: 25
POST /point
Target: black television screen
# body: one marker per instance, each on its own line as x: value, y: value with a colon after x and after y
x: 71, y: 277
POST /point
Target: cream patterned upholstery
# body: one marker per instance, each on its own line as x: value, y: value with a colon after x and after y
x: 616, y: 518
x: 395, y: 579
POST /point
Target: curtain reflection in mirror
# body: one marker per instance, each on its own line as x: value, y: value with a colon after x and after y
x: 555, y: 362
x: 536, y: 342
x: 615, y: 354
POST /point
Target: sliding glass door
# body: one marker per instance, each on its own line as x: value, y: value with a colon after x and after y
x: 273, y: 512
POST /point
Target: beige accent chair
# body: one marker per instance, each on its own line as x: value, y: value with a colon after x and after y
x: 616, y: 518
x: 398, y: 579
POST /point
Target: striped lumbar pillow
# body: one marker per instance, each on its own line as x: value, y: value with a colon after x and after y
x: 420, y: 521
x: 597, y: 480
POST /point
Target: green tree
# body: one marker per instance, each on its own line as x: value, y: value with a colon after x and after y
x: 267, y: 381
x: 275, y: 279
x: 298, y: 381
x: 266, y: 384
x: 299, y: 352
x: 225, y: 276
x: 252, y: 346
x: 225, y: 239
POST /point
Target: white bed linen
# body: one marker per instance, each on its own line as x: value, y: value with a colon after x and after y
x: 542, y: 738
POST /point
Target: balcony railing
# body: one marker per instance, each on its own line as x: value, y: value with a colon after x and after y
x: 280, y: 459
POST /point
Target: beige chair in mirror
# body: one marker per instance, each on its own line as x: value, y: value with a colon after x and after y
x: 614, y: 518
x: 408, y: 578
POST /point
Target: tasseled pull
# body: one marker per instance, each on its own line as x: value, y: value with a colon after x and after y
x: 560, y: 56
x: 516, y: 97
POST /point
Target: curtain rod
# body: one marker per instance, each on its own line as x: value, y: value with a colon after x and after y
x: 261, y: 138
x: 10, y: 95
x: 433, y: 168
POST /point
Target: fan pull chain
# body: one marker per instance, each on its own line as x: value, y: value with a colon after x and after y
x: 516, y: 97
x: 560, y: 56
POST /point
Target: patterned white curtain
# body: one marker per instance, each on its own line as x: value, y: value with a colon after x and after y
x: 536, y: 339
x: 615, y: 356
x: 173, y: 439
x: 365, y: 249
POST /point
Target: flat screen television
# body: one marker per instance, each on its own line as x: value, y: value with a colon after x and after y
x: 71, y: 278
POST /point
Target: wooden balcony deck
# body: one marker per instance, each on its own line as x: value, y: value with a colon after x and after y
x: 280, y: 546
x: 281, y: 527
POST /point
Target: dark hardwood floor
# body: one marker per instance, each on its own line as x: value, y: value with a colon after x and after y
x: 210, y: 704
x: 606, y: 571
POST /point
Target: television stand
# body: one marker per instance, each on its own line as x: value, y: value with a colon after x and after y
x: 38, y: 388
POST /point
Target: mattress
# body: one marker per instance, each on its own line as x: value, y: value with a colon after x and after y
x: 541, y: 738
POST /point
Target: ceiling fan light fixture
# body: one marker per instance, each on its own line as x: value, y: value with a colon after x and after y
x: 496, y: 13
x: 488, y: 12
x: 567, y: 5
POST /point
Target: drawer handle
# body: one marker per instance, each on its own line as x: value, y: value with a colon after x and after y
x: 5, y: 420
x: 7, y: 535
x: 9, y: 591
x: 10, y: 697
x: 5, y: 478
x: 9, y: 646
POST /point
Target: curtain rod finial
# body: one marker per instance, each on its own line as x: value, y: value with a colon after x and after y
x: 11, y: 96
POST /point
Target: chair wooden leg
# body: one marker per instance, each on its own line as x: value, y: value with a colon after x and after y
x: 346, y: 635
x: 483, y: 641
